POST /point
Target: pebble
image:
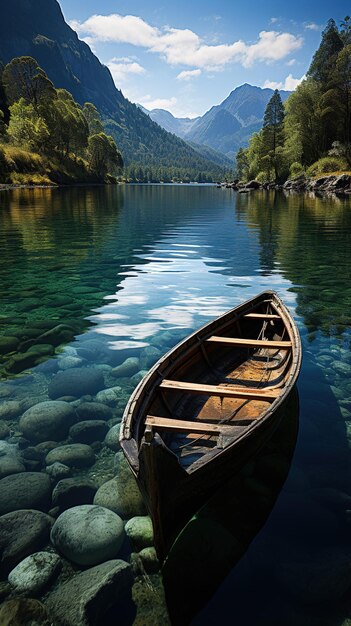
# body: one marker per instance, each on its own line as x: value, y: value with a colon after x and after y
x: 47, y: 420
x: 122, y: 497
x: 88, y: 534
x: 145, y: 560
x: 4, y: 430
x: 67, y: 362
x: 73, y: 455
x: 58, y: 471
x: 34, y: 572
x: 25, y: 490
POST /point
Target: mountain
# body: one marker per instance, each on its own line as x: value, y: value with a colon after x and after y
x: 226, y: 126
x: 37, y: 28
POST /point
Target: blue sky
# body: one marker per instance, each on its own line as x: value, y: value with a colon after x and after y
x: 186, y: 56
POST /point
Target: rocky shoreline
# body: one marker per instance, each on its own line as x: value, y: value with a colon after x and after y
x: 331, y: 184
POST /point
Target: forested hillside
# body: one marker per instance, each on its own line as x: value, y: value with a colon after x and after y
x: 47, y: 137
x: 311, y: 134
x: 38, y: 29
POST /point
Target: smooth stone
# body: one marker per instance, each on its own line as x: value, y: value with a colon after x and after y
x: 149, y: 356
x: 34, y: 572
x: 145, y: 560
x: 62, y: 333
x: 342, y: 368
x: 4, y: 430
x: 93, y: 411
x: 25, y: 490
x: 88, y: 534
x: 21, y: 533
x: 44, y: 349
x: 10, y: 409
x: 121, y: 494
x: 68, y: 362
x: 85, y: 599
x: 10, y: 460
x: 110, y: 396
x: 20, y: 362
x: 23, y: 612
x: 47, y: 420
x: 72, y: 455
x: 129, y: 367
x: 8, y: 344
x: 140, y: 532
x: 77, y: 382
x: 71, y: 492
x: 138, y: 377
x: 112, y: 438
x: 58, y: 471
x: 88, y: 431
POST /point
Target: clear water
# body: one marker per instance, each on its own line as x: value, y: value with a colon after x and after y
x: 129, y: 268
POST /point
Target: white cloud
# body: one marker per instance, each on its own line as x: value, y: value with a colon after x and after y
x: 121, y: 68
x: 188, y: 74
x: 169, y: 104
x: 311, y: 26
x: 291, y: 62
x: 183, y: 46
x: 274, y: 20
x: 158, y: 103
x: 289, y: 84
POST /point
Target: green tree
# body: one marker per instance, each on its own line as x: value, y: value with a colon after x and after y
x: 93, y: 119
x: 336, y: 101
x: 242, y: 164
x: 303, y: 124
x: 23, y: 78
x: 325, y: 57
x: 26, y: 127
x: 272, y: 132
x: 104, y: 156
x: 345, y: 30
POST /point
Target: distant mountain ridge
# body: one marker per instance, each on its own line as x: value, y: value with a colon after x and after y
x: 227, y: 126
x: 37, y: 28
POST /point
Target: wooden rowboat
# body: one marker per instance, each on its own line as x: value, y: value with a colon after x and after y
x: 206, y: 407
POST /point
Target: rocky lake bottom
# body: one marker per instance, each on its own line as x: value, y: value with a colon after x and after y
x: 96, y: 285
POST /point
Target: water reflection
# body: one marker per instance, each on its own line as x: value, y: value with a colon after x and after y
x: 93, y: 278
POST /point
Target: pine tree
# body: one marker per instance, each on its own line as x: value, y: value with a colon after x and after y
x: 324, y: 59
x: 272, y: 132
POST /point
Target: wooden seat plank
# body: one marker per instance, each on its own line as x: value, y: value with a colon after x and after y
x: 184, y: 426
x: 221, y: 390
x: 265, y: 316
x: 250, y: 343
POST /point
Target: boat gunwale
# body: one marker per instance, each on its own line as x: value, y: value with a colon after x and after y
x: 127, y: 432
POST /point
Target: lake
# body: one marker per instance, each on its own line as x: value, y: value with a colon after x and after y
x: 91, y: 277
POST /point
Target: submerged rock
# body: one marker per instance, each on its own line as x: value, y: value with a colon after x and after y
x: 72, y: 455
x: 85, y: 599
x: 73, y: 492
x: 112, y: 438
x: 77, y: 382
x: 10, y: 460
x: 88, y: 534
x: 10, y: 409
x: 48, y: 420
x: 140, y: 532
x: 25, y: 490
x: 129, y: 367
x: 35, y: 572
x: 94, y: 411
x: 23, y: 612
x: 121, y: 494
x: 21, y: 533
x: 89, y: 431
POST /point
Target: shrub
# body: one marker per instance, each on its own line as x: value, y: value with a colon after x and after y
x: 326, y: 165
x: 262, y: 177
x: 296, y: 169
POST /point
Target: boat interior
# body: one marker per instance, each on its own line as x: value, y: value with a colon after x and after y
x: 219, y: 388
